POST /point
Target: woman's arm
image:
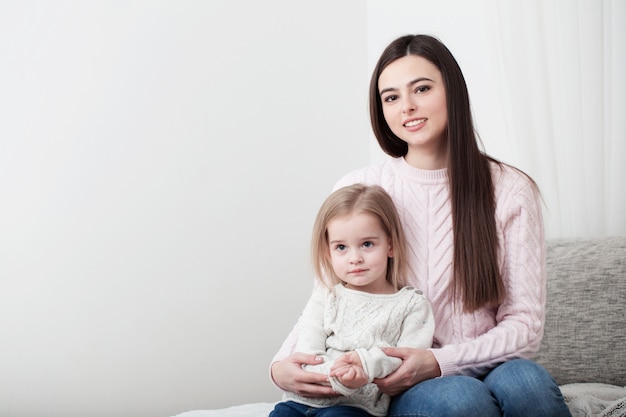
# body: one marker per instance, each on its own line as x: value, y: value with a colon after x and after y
x: 517, y: 326
x: 417, y: 365
x: 308, y: 342
x: 288, y: 375
x: 519, y: 320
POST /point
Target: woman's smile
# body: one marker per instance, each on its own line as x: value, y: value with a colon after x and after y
x: 412, y: 123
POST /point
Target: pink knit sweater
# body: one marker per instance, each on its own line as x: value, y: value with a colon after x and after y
x: 467, y: 344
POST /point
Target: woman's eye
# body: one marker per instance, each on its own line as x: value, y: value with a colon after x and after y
x: 390, y: 98
x: 422, y: 89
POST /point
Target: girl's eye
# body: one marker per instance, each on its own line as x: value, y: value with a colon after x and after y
x: 390, y: 98
x: 340, y: 247
x: 368, y: 244
x: 422, y: 89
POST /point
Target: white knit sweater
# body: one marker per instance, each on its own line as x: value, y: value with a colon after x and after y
x: 342, y: 320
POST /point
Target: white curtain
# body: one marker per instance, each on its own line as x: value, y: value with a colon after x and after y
x: 547, y: 81
x: 561, y: 75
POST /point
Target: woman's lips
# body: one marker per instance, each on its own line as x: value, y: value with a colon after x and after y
x: 414, y: 122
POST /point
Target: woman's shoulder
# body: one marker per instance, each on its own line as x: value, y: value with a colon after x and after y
x: 371, y: 174
x: 514, y: 189
x: 509, y: 178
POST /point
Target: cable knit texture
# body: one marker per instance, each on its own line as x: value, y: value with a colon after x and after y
x: 467, y: 344
x: 342, y: 320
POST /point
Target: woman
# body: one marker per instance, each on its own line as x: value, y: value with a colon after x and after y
x: 476, y: 246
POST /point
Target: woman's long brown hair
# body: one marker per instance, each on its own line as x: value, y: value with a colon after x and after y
x: 476, y: 274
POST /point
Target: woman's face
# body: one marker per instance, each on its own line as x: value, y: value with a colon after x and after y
x: 413, y: 99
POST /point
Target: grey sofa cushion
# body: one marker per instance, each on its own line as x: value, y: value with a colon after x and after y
x: 585, y: 331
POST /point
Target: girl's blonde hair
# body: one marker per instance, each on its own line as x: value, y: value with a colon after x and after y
x: 359, y: 198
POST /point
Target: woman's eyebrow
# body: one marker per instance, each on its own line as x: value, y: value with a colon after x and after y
x: 409, y: 84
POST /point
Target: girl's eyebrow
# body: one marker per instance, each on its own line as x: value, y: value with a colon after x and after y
x: 409, y: 84
x: 363, y: 239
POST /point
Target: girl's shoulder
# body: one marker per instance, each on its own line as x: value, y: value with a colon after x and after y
x: 412, y: 293
x: 412, y: 299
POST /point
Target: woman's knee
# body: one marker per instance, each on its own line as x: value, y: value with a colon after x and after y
x: 521, y: 386
x: 447, y: 396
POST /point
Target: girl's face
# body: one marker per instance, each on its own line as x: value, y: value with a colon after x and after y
x: 413, y: 99
x: 359, y: 249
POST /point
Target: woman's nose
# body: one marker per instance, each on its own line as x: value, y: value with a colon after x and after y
x: 408, y: 105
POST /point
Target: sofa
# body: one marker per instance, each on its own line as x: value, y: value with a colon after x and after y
x: 584, y: 344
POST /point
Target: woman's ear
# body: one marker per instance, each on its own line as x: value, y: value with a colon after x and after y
x: 390, y: 252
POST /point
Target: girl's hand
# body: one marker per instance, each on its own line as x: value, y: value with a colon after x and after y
x: 417, y: 365
x: 347, y: 359
x: 289, y: 376
x: 349, y: 371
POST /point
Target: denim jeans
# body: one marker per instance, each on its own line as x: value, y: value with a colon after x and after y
x: 518, y: 388
x: 294, y: 409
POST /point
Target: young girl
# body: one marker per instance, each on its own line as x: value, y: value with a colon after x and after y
x: 359, y: 254
x: 476, y: 249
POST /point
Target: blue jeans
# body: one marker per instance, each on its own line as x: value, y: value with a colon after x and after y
x: 518, y: 388
x: 294, y: 409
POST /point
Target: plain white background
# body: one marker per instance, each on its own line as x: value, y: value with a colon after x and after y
x: 161, y: 164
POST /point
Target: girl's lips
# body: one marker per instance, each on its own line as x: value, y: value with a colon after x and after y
x: 357, y: 271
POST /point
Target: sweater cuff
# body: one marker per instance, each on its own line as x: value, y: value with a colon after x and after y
x: 446, y: 361
x: 340, y: 388
x: 272, y: 377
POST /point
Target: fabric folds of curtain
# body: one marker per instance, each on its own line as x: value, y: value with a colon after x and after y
x: 561, y: 68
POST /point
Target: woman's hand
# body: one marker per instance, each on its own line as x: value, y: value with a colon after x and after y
x: 289, y: 376
x: 417, y: 365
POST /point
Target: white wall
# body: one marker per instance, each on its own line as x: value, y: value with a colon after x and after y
x: 161, y: 163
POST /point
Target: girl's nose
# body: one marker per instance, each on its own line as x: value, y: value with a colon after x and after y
x: 356, y: 259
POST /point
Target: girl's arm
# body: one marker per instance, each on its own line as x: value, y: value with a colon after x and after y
x: 417, y: 330
x: 418, y: 327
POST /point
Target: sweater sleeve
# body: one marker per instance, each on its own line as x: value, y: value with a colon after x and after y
x: 418, y: 326
x: 416, y: 331
x: 520, y: 318
x: 289, y: 344
x: 312, y: 335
